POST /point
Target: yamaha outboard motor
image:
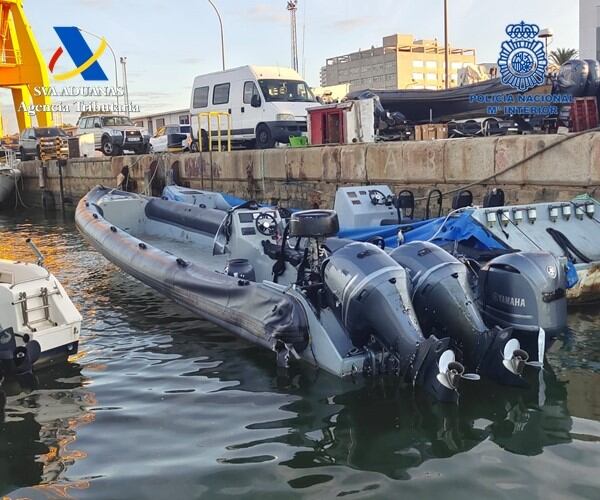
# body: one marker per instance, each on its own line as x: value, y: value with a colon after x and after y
x: 525, y: 291
x: 370, y: 294
x: 446, y: 306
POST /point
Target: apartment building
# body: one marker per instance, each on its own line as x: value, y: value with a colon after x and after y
x: 400, y: 63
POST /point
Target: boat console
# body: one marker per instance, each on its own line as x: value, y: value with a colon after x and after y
x: 366, y: 206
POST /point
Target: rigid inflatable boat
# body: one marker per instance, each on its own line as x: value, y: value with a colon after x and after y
x: 295, y: 289
x: 39, y: 324
x: 570, y: 231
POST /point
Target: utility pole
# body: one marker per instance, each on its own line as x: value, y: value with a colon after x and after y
x: 126, y: 90
x: 446, y: 43
x: 292, y: 6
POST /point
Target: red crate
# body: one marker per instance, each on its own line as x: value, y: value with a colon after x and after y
x: 584, y: 114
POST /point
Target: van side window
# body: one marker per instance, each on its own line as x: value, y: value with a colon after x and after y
x: 249, y: 90
x: 200, y: 97
x: 84, y: 123
x: 97, y: 122
x: 221, y: 93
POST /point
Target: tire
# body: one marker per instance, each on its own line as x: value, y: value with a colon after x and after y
x: 107, y: 147
x: 264, y: 138
x: 314, y: 224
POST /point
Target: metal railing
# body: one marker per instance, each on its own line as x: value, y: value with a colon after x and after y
x: 10, y: 57
x: 210, y: 116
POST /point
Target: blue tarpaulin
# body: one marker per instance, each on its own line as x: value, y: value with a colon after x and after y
x: 456, y: 228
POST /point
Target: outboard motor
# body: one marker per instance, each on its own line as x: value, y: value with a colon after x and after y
x: 369, y: 293
x: 17, y: 360
x: 445, y: 305
x: 525, y: 291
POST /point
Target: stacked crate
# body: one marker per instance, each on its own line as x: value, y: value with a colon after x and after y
x: 583, y: 114
x: 54, y: 148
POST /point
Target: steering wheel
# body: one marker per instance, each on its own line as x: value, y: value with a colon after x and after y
x: 377, y: 197
x: 266, y: 224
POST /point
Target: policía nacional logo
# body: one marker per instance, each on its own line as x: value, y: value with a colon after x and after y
x: 522, y: 60
x: 86, y: 61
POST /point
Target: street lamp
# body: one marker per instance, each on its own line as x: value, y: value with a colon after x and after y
x: 546, y: 34
x: 114, y: 59
x: 222, y: 37
x: 446, y: 41
x: 125, y: 88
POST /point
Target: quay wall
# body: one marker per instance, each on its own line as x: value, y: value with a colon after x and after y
x: 307, y: 177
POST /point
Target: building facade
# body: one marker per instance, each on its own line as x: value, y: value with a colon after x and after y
x: 589, y: 29
x: 400, y: 63
x: 157, y: 120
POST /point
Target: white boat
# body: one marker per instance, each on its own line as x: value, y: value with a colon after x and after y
x: 39, y: 324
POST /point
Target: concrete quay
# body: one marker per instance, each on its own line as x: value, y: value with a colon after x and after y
x: 307, y: 177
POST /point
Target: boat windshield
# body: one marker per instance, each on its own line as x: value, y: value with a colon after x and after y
x: 286, y: 90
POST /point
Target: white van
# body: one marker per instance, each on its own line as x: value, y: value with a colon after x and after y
x: 266, y: 104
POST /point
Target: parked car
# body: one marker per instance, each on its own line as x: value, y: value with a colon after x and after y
x: 114, y: 134
x: 169, y: 137
x: 29, y: 141
x: 266, y: 104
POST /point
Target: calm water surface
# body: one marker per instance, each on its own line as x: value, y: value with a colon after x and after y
x: 160, y: 404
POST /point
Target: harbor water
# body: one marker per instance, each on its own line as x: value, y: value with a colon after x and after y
x: 161, y: 404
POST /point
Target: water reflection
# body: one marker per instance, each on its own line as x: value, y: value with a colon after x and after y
x: 39, y: 420
x: 186, y: 409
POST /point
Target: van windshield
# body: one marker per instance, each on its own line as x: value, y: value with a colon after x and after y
x: 116, y: 121
x: 286, y: 90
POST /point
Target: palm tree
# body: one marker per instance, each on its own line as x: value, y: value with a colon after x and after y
x: 561, y: 56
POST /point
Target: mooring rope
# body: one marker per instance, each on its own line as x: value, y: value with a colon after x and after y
x: 485, y: 180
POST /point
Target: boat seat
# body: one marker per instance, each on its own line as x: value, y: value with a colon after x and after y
x: 291, y: 255
x: 192, y: 218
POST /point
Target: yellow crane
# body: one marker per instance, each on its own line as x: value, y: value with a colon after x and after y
x: 22, y: 67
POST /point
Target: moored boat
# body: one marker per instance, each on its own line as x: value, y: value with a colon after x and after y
x: 292, y: 288
x: 39, y: 325
x: 569, y: 230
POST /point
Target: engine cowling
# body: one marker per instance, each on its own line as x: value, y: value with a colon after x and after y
x: 525, y: 291
x: 370, y: 294
x: 445, y: 305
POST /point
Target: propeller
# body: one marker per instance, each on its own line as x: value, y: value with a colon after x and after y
x: 450, y: 371
x: 515, y: 358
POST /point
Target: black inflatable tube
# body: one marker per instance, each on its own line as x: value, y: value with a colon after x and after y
x: 250, y: 310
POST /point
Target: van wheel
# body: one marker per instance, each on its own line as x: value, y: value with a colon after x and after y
x: 264, y: 138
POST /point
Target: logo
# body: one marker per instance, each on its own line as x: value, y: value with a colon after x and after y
x: 508, y: 300
x: 551, y: 270
x: 522, y: 60
x: 86, y: 61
